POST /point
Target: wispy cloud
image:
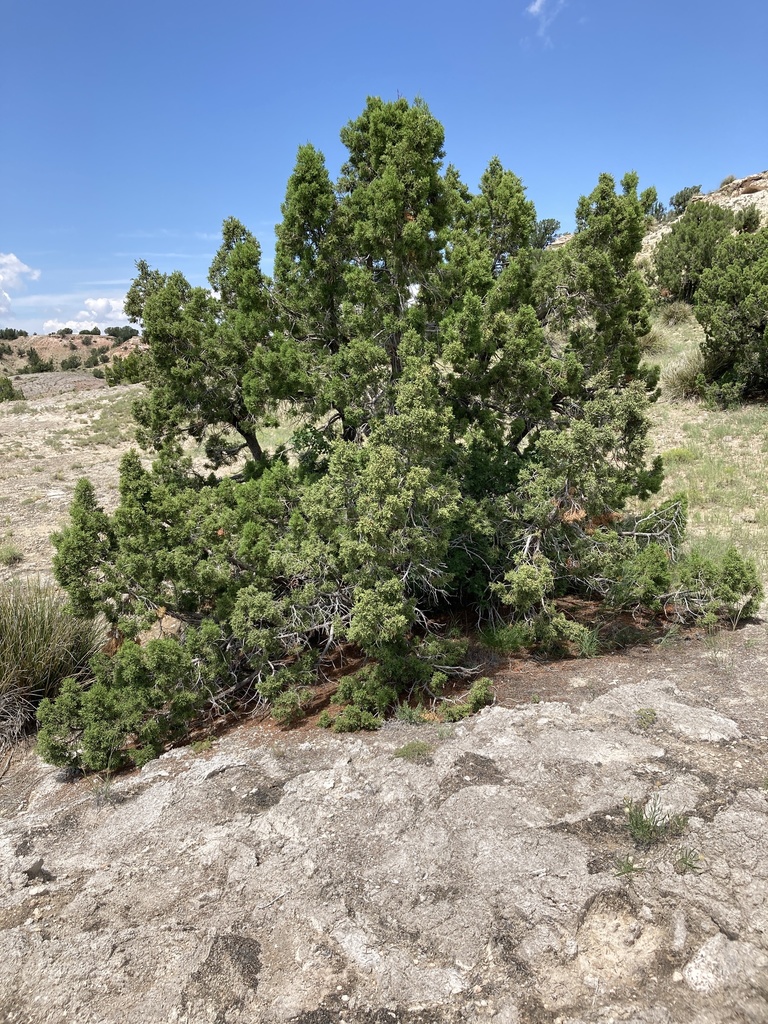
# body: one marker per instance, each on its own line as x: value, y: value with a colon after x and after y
x: 545, y: 12
x: 13, y: 274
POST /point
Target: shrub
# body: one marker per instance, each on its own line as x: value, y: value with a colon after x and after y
x: 131, y: 369
x: 10, y: 554
x: 650, y: 824
x: 732, y: 307
x: 71, y: 363
x: 680, y: 200
x: 417, y: 752
x: 353, y: 719
x: 727, y: 180
x: 290, y: 706
x: 121, y: 334
x: 708, y: 590
x: 689, y: 249
x: 479, y: 696
x: 36, y: 364
x: 747, y: 220
x: 652, y: 344
x: 41, y: 643
x: 141, y: 700
x: 686, y: 377
x: 8, y: 393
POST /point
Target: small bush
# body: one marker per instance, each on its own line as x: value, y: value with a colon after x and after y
x: 729, y: 589
x: 479, y: 696
x: 417, y: 752
x: 648, y: 825
x: 680, y: 200
x: 507, y: 639
x: 747, y: 220
x: 71, y: 363
x: 142, y: 699
x: 680, y: 456
x: 133, y: 369
x: 36, y: 364
x: 674, y: 313
x: 652, y: 344
x: 41, y: 643
x: 686, y: 377
x: 290, y: 707
x: 353, y: 719
x: 8, y: 393
x: 10, y: 554
x: 727, y: 180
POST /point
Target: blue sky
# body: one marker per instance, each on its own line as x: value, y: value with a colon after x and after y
x: 131, y: 130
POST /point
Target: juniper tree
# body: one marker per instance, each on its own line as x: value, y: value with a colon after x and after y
x: 471, y: 421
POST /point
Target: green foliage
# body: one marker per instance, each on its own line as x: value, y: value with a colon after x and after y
x: 479, y: 696
x: 708, y: 590
x: 35, y: 363
x: 416, y: 752
x: 732, y: 307
x: 683, y: 255
x: 71, y: 363
x: 8, y: 393
x: 141, y: 699
x: 680, y: 200
x: 121, y: 334
x: 10, y: 554
x: 290, y: 706
x: 649, y: 824
x: 471, y: 424
x: 645, y: 718
x: 747, y: 220
x: 134, y: 368
x: 673, y: 313
x: 544, y: 232
x: 12, y: 333
x: 507, y: 638
x: 354, y: 719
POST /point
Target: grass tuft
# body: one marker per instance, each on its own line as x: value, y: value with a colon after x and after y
x: 41, y: 643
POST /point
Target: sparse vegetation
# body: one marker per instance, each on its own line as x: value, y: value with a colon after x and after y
x: 628, y: 867
x: 649, y: 824
x: 416, y: 752
x: 688, y: 860
x: 646, y: 718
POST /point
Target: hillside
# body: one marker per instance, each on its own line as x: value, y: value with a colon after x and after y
x: 734, y: 195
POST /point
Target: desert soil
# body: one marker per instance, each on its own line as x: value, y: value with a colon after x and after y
x: 272, y: 876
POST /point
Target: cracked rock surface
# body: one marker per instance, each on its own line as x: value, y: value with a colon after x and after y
x: 311, y: 878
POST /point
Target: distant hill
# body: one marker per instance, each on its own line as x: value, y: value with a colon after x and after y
x: 98, y: 349
x: 736, y: 195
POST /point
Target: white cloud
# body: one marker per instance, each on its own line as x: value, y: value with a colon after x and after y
x: 545, y: 11
x: 101, y: 312
x: 12, y: 276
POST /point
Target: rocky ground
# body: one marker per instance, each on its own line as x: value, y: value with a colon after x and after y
x: 419, y: 875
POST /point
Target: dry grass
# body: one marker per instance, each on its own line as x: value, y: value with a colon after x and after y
x: 717, y: 458
x: 41, y: 644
